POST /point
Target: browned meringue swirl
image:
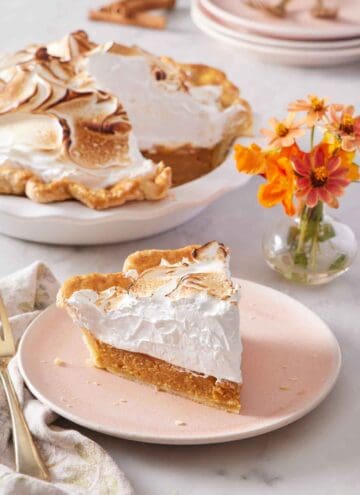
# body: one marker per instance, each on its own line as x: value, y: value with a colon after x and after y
x: 48, y: 87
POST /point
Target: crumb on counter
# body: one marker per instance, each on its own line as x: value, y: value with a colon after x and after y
x: 179, y: 422
x: 284, y: 388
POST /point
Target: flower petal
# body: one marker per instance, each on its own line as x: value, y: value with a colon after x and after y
x: 319, y: 156
x: 333, y: 163
x: 324, y: 194
x: 312, y: 198
x: 303, y: 182
x: 302, y: 166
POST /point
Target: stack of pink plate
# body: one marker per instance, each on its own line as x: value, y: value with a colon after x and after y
x: 297, y: 39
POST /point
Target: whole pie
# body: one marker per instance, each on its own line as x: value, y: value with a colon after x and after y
x: 106, y: 124
x: 170, y: 319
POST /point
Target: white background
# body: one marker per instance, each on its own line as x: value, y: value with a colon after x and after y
x: 320, y: 454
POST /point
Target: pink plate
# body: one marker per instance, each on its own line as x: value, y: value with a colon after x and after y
x: 290, y: 363
x: 298, y: 24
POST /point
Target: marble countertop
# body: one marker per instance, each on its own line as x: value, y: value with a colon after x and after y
x: 319, y: 454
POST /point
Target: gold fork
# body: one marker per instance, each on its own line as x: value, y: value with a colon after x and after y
x: 278, y: 10
x: 27, y: 457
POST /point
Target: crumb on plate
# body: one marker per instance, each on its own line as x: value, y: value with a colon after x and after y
x: 59, y: 362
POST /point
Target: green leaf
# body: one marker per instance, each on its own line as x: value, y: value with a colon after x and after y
x: 311, y: 230
x: 300, y: 259
x: 339, y: 263
x: 327, y: 232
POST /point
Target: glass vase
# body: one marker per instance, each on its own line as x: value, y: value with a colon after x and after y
x: 311, y: 248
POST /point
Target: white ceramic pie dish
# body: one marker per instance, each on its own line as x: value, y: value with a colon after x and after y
x: 71, y: 223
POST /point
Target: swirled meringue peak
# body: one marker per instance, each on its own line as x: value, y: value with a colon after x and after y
x: 56, y: 122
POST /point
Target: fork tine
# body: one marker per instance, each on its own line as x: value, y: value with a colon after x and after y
x: 7, y: 332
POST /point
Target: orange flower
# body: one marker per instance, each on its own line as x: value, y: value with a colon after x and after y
x: 250, y: 160
x: 314, y: 107
x: 280, y: 186
x: 292, y: 151
x: 284, y: 132
x: 344, y: 126
x: 321, y: 176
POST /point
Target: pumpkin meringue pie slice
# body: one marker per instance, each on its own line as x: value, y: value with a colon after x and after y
x: 62, y: 138
x: 170, y: 320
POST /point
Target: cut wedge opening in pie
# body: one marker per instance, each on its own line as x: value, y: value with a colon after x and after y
x: 170, y: 319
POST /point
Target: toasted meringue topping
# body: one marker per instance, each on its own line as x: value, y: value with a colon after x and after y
x: 169, y: 104
x: 54, y: 121
x: 185, y: 313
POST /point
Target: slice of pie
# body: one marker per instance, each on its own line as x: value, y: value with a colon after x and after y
x: 63, y: 138
x: 170, y: 319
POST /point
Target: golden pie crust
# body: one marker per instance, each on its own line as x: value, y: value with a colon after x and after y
x: 223, y: 394
x: 23, y: 182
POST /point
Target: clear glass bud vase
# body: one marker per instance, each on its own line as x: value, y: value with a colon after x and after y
x: 311, y: 248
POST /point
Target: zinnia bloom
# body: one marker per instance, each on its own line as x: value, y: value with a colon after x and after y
x: 345, y: 126
x: 314, y: 107
x: 283, y: 133
x: 280, y: 186
x: 321, y: 176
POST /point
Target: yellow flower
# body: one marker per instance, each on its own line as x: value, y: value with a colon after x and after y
x: 284, y: 132
x: 347, y: 159
x: 354, y: 172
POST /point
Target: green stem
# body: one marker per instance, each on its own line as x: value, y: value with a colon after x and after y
x: 303, y: 229
x: 312, y: 136
x: 317, y: 216
x: 307, y: 245
x: 314, y: 248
